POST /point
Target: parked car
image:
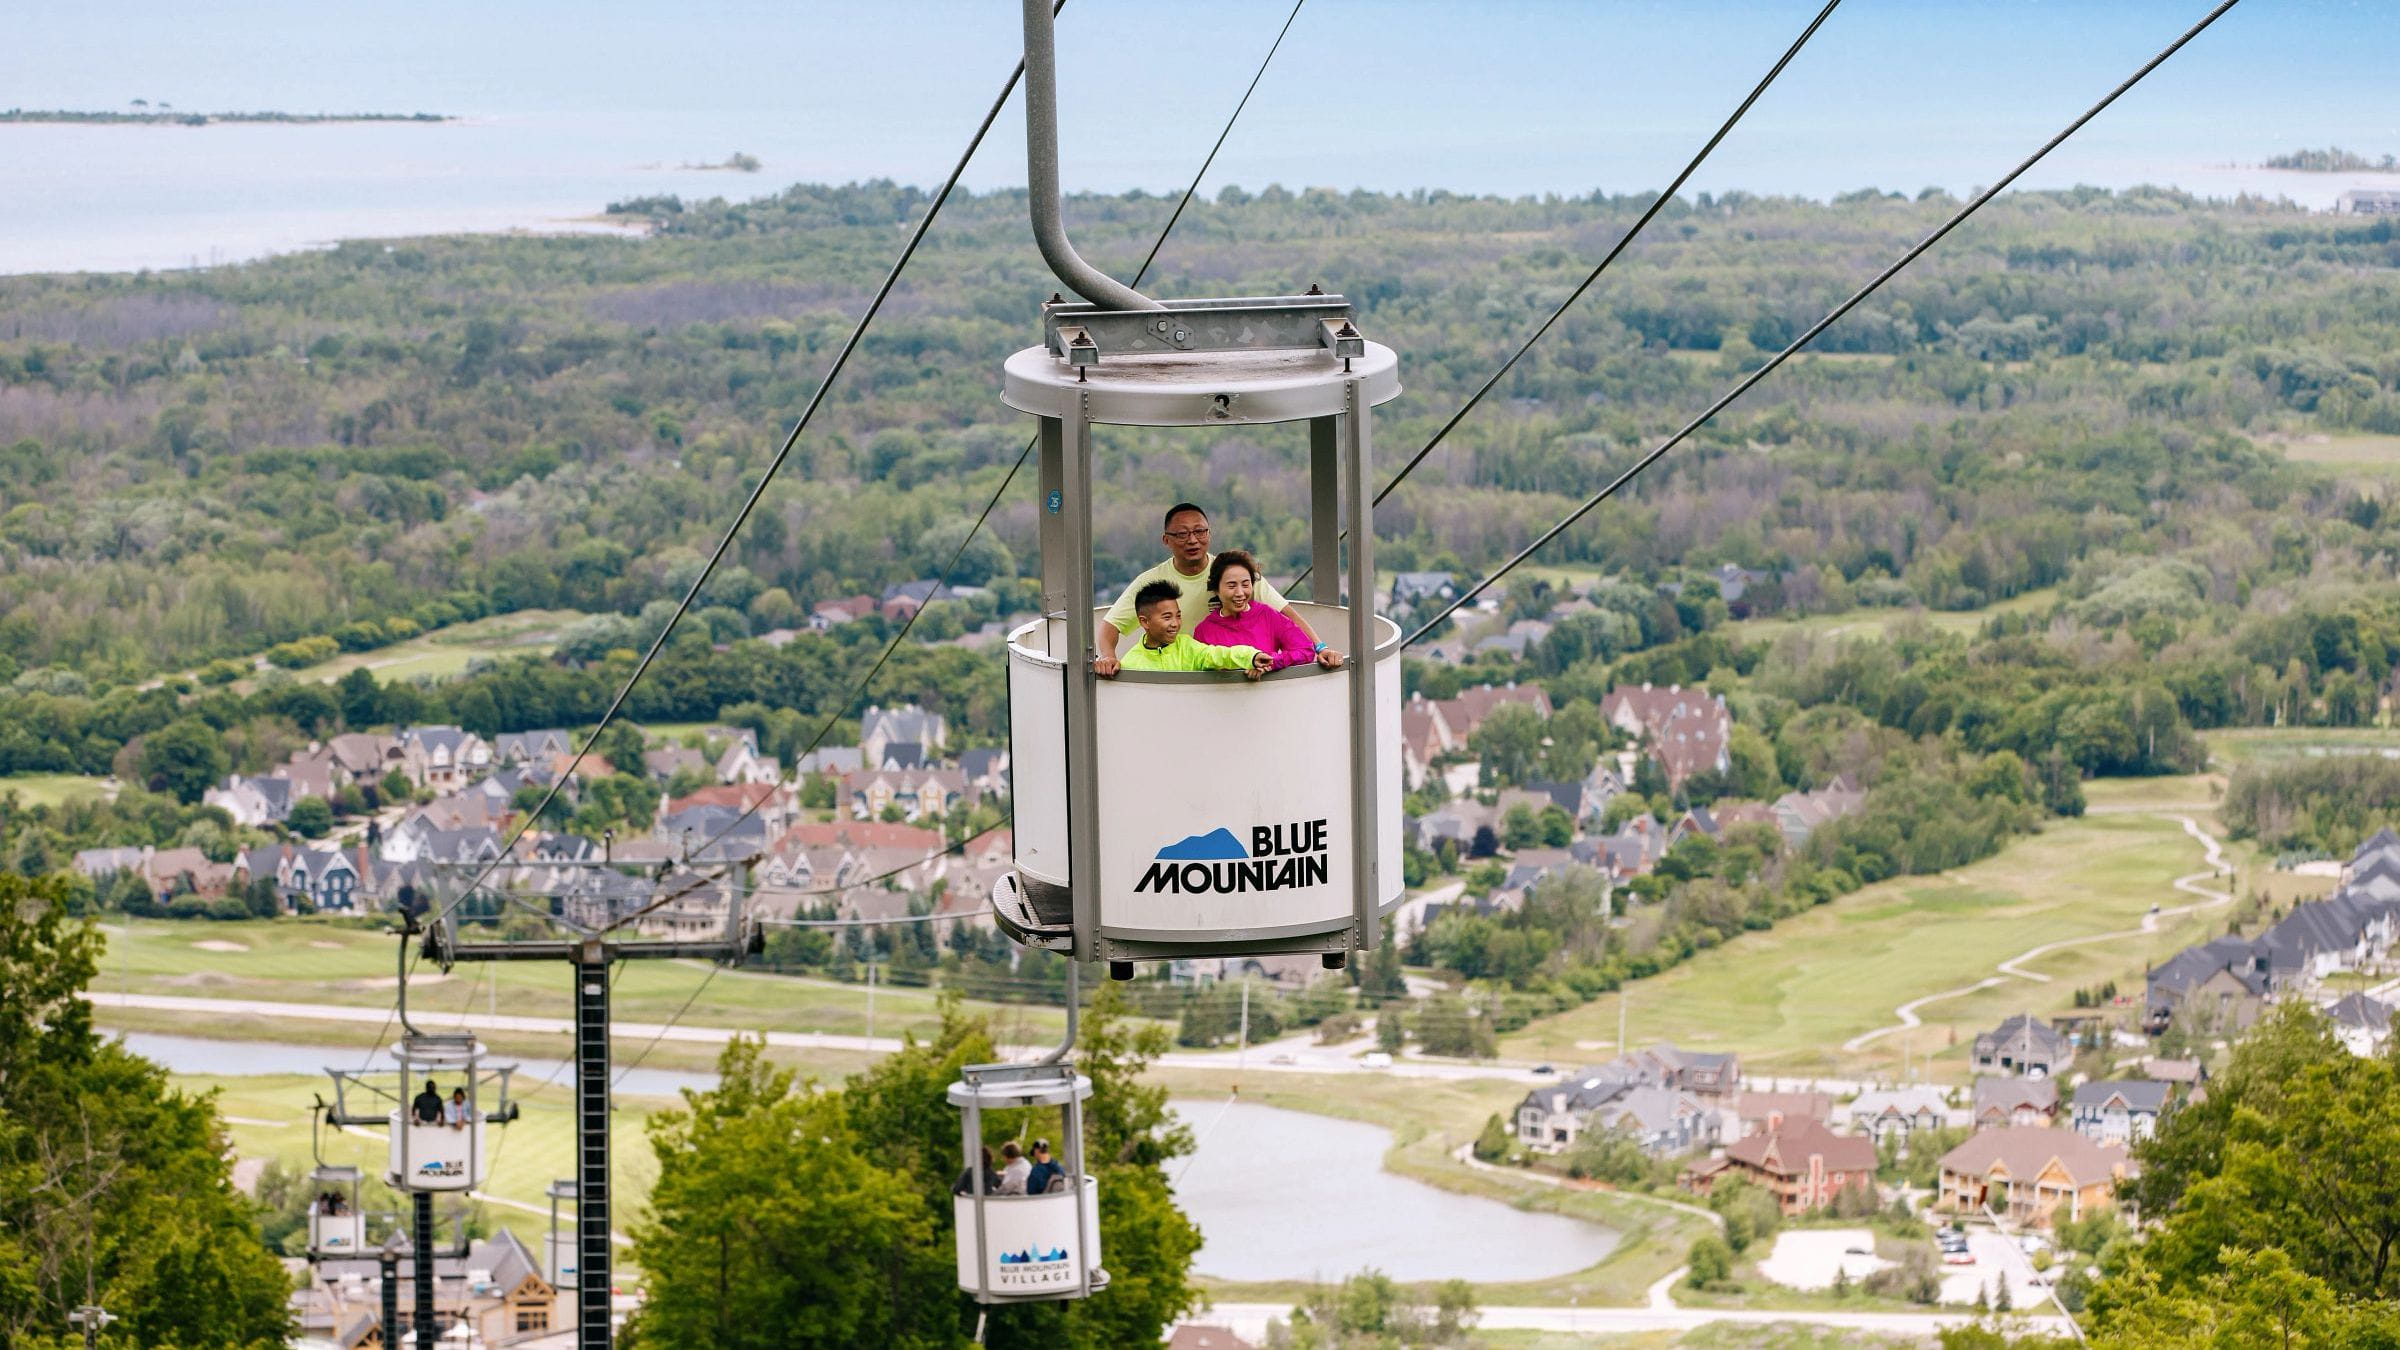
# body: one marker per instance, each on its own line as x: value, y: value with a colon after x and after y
x: 1544, y: 1069
x: 1375, y: 1059
x: 1957, y: 1256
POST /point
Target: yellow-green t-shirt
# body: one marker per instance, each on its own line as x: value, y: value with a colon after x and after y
x: 1195, y: 595
x: 1187, y: 653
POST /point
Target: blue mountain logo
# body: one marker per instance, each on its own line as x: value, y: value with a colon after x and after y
x: 1031, y: 1256
x: 1278, y: 857
x: 1217, y: 845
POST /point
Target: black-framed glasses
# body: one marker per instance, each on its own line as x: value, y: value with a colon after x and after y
x: 1181, y: 536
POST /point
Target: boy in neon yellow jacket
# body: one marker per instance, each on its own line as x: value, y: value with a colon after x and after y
x: 1165, y: 646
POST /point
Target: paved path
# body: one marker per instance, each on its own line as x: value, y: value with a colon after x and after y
x: 1465, y: 1153
x: 615, y: 1238
x: 1249, y: 1320
x: 1305, y: 1058
x: 2189, y: 884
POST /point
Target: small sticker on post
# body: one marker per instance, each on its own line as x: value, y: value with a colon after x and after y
x: 1057, y: 500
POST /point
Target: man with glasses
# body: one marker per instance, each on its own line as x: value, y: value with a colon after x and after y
x: 1185, y: 533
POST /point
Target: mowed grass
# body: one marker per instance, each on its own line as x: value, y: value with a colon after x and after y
x: 447, y: 652
x: 2242, y: 747
x: 1873, y: 624
x: 300, y: 961
x: 2380, y: 454
x: 53, y: 789
x: 1788, y: 998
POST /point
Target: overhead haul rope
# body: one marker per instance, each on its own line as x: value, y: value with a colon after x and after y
x: 1833, y: 316
x: 816, y: 400
x: 1624, y: 241
x: 1190, y: 190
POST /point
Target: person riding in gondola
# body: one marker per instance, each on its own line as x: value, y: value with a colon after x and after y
x: 1240, y: 621
x: 966, y: 1176
x: 1185, y: 533
x: 1165, y: 646
x: 426, y: 1107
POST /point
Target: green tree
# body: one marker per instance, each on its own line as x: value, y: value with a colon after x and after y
x: 311, y: 817
x: 775, y: 1223
x: 1710, y: 1262
x: 1509, y: 743
x: 861, y: 1250
x: 185, y: 757
x: 108, y: 1174
x: 1495, y: 1143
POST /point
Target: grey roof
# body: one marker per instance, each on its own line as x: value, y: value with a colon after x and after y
x: 1568, y: 797
x: 2363, y: 1012
x: 1586, y: 1091
x: 1418, y: 585
x: 95, y: 861
x: 2034, y: 1033
x: 472, y: 844
x: 526, y: 744
x: 2196, y: 965
x: 831, y: 759
x: 2314, y: 927
x: 979, y: 763
x: 715, y: 833
x: 2010, y: 1093
x: 275, y: 792
x: 903, y: 755
x: 434, y: 738
x: 1658, y: 1110
x: 2138, y: 1094
x: 2382, y: 841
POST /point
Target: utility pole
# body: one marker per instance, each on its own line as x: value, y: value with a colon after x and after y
x: 91, y: 1319
x: 1241, y: 1042
x: 590, y: 953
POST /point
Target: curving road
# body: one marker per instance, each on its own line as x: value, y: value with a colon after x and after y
x: 2189, y: 884
x: 1249, y: 1320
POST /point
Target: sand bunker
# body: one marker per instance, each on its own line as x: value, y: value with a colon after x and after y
x: 328, y: 946
x: 220, y: 945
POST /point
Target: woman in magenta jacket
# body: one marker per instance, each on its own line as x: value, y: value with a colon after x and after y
x: 1239, y: 621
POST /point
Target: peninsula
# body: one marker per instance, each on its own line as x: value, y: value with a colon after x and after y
x: 164, y: 116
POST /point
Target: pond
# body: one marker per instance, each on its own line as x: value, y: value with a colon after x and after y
x: 1286, y: 1195
x: 249, y: 1059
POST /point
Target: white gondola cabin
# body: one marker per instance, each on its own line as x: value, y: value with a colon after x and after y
x: 336, y: 1227
x: 1278, y: 829
x: 1017, y: 1246
x: 438, y: 1129
x: 558, y: 1245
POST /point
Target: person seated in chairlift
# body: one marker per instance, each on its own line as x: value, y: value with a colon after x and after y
x: 1045, y: 1174
x: 1165, y: 646
x: 1185, y: 533
x: 456, y: 1115
x: 1013, y: 1169
x: 1240, y: 621
x: 426, y: 1107
x: 965, y: 1185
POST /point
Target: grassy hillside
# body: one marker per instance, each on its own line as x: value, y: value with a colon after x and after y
x: 1789, y: 997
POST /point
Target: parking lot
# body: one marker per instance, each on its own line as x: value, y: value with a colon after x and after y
x: 1996, y: 1257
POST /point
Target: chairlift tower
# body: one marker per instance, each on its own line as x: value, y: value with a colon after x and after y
x: 590, y: 951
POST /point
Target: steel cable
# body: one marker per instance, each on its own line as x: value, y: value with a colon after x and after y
x: 1833, y: 316
x: 1624, y: 241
